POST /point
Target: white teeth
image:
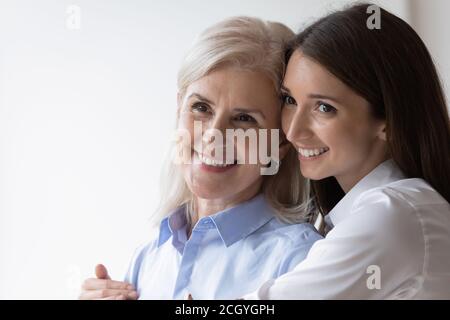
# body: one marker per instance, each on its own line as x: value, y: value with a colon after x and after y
x: 211, y: 162
x: 312, y: 152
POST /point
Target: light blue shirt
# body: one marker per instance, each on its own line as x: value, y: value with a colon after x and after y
x: 228, y: 254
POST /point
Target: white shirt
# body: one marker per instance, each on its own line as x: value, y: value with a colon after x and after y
x: 390, y: 240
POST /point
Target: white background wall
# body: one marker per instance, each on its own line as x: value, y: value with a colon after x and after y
x: 85, y: 117
x: 430, y: 19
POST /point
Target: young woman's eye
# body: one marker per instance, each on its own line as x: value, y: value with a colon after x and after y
x: 245, y: 118
x: 325, y: 108
x: 200, y: 107
x: 287, y: 100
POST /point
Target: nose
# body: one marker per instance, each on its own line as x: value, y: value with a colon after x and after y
x: 218, y: 122
x: 298, y: 125
x: 215, y: 128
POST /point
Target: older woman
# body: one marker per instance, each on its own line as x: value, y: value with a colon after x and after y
x: 225, y: 228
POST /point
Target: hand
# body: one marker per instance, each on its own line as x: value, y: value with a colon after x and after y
x: 103, y: 288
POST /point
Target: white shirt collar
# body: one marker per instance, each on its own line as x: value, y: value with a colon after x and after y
x: 385, y: 173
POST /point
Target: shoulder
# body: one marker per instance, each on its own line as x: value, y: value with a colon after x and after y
x: 288, y: 244
x: 417, y: 193
x: 413, y: 192
x: 294, y: 242
x: 146, y: 247
x: 138, y: 256
x: 386, y: 213
x: 415, y: 215
x: 404, y: 202
x: 142, y: 249
x: 402, y: 227
x: 396, y: 220
x: 294, y: 234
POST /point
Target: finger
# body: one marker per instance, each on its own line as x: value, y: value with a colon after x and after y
x: 96, y: 284
x: 105, y: 293
x: 101, y: 272
x: 132, y: 295
x: 109, y: 298
x: 119, y: 297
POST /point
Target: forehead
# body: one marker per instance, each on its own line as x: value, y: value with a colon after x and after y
x: 304, y: 71
x: 234, y: 85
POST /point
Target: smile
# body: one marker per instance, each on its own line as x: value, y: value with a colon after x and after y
x: 312, y: 153
x: 213, y: 165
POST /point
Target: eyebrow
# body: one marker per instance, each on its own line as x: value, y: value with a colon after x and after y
x: 321, y: 96
x: 244, y: 110
x: 313, y: 95
x: 283, y: 88
x: 200, y: 97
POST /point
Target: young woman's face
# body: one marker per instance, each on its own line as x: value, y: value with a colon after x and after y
x: 331, y: 127
x: 228, y: 98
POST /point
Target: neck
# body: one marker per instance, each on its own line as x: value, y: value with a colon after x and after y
x: 347, y: 182
x: 206, y: 207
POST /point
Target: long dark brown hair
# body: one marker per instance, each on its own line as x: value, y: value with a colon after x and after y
x: 392, y: 69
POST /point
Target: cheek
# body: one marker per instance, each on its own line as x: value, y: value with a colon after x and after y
x: 286, y: 119
x: 193, y: 129
x: 184, y: 141
x: 247, y: 150
x: 258, y: 150
x: 186, y: 124
x: 245, y: 176
x: 348, y: 141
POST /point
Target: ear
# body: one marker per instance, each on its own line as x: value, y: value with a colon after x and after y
x: 382, y: 132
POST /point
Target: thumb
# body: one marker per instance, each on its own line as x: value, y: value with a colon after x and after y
x: 101, y: 272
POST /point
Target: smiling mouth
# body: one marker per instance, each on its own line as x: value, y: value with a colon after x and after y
x: 213, y: 164
x: 312, y: 153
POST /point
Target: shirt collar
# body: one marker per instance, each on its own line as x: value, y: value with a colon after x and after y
x: 236, y: 223
x: 232, y: 224
x: 175, y: 224
x: 383, y: 174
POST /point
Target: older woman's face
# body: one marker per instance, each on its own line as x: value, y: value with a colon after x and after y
x: 227, y: 98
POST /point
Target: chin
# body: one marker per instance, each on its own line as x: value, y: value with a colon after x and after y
x: 212, y: 192
x: 309, y: 174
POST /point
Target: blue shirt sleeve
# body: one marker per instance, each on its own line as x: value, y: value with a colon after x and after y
x: 134, y: 266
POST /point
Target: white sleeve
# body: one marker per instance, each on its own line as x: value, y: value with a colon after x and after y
x: 376, y: 253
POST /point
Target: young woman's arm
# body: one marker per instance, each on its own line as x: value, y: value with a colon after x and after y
x: 379, y: 251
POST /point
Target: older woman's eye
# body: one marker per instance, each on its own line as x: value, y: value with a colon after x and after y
x: 245, y: 118
x: 326, y: 108
x: 288, y: 100
x: 200, y: 107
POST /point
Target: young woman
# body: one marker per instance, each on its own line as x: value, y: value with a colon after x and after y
x: 225, y: 228
x: 367, y: 114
